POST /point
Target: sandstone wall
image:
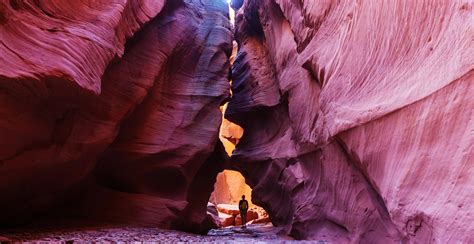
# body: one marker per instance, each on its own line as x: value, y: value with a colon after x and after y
x: 358, y: 117
x: 229, y: 187
x: 116, y: 102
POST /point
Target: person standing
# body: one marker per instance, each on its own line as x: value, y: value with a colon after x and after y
x: 243, y: 207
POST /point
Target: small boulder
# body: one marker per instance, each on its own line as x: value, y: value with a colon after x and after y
x: 228, y: 209
x: 261, y: 220
x: 213, y: 214
x: 226, y: 219
x: 251, y: 215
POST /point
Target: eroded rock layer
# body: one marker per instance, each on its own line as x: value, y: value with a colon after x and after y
x: 117, y: 102
x: 357, y: 117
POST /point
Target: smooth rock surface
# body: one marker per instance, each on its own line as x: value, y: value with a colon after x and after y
x: 358, y: 117
x: 112, y: 109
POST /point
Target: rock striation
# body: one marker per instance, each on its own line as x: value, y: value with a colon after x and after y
x: 117, y: 103
x: 357, y: 117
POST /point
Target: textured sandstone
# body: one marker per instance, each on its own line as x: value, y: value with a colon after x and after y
x: 213, y: 214
x: 251, y: 215
x: 261, y: 220
x: 48, y: 45
x: 226, y: 211
x: 117, y: 101
x: 226, y: 219
x: 357, y: 117
x: 231, y: 209
x: 229, y: 188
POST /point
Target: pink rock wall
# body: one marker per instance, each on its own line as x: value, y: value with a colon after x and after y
x: 115, y: 102
x: 361, y: 113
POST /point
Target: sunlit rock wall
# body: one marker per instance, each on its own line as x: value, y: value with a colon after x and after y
x: 358, y: 117
x: 229, y: 187
x: 115, y: 102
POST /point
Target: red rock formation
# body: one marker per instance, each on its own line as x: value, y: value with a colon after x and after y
x: 250, y: 217
x: 227, y: 210
x: 111, y: 99
x: 358, y: 117
x: 226, y: 219
x: 261, y: 220
x: 213, y: 214
x: 229, y: 188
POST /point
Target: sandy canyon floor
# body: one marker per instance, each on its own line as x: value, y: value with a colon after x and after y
x: 257, y: 233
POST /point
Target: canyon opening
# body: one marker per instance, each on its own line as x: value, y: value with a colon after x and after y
x: 139, y: 120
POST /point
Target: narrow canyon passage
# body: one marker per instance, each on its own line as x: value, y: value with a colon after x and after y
x: 138, y: 120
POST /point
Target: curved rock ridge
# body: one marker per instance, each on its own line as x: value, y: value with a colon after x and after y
x: 357, y: 117
x: 114, y: 106
x: 48, y: 43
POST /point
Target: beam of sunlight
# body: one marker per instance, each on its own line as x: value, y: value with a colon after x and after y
x: 231, y: 13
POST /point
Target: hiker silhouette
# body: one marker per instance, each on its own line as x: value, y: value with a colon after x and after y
x: 243, y: 207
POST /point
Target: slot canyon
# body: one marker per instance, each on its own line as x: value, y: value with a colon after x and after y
x: 147, y: 120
